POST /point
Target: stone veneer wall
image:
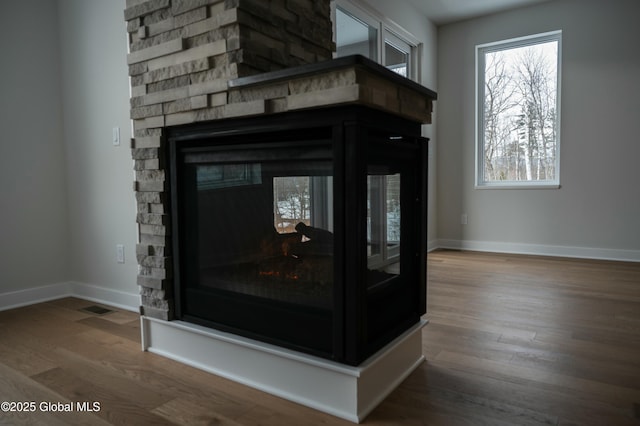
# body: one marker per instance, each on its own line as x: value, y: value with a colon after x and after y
x: 182, y: 55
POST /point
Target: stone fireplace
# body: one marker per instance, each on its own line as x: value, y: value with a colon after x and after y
x: 207, y: 69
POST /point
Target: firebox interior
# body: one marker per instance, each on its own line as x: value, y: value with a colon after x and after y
x: 244, y: 218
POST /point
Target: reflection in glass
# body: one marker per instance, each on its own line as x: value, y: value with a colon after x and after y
x: 383, y: 227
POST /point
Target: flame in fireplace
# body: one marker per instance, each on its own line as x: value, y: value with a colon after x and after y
x: 279, y: 274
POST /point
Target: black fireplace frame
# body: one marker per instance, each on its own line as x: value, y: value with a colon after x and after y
x: 363, y: 319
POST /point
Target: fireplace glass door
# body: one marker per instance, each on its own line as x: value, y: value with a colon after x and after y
x: 258, y: 246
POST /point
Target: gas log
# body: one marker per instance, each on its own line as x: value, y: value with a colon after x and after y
x: 306, y: 241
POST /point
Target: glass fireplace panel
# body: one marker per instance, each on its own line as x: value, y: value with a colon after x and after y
x: 383, y: 226
x: 262, y: 230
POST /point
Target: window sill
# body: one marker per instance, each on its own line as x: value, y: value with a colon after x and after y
x: 513, y: 185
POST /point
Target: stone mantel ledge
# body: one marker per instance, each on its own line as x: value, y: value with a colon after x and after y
x: 348, y: 80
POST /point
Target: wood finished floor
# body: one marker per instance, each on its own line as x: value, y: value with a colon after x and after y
x: 512, y: 340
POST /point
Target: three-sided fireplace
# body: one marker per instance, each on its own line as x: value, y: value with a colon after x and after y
x: 305, y: 229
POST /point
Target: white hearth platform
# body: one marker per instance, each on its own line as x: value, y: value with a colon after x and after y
x: 337, y: 389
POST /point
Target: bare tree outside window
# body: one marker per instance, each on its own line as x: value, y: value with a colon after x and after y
x: 291, y: 202
x: 518, y: 108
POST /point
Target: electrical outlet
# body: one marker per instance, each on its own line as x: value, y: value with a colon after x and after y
x: 120, y: 253
x: 464, y: 219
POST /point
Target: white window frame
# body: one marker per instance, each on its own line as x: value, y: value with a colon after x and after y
x: 402, y: 45
x: 387, y: 30
x: 481, y: 50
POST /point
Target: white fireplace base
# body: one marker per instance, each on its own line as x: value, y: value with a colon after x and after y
x: 337, y: 389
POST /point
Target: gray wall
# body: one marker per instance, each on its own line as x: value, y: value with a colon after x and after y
x: 33, y: 199
x: 102, y: 209
x: 595, y: 212
x: 66, y: 191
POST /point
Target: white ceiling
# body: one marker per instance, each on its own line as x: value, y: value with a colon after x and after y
x: 447, y: 11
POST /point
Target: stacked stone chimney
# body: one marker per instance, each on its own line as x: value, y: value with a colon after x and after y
x: 182, y: 55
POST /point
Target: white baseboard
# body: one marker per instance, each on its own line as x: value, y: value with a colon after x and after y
x: 30, y: 296
x: 542, y: 250
x: 106, y: 296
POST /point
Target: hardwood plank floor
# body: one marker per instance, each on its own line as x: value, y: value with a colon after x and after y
x: 511, y: 340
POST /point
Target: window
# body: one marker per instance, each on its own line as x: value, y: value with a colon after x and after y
x: 356, y: 35
x: 397, y: 54
x: 518, y: 112
x: 362, y: 33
